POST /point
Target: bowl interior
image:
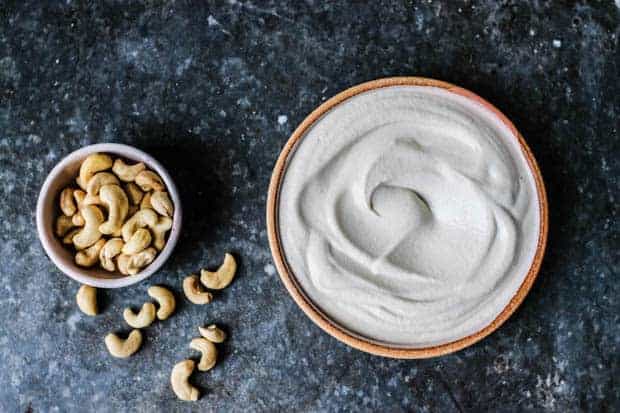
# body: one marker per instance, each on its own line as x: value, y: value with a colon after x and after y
x: 48, y: 210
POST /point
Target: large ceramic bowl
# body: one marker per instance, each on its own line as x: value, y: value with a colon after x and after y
x: 320, y: 317
x: 64, y: 174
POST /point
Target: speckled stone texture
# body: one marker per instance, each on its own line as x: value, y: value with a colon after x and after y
x: 213, y: 92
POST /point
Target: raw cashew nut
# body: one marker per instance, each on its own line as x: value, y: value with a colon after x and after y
x: 67, y: 204
x: 89, y: 234
x: 209, y: 353
x: 138, y: 242
x: 89, y: 256
x: 161, y: 203
x: 118, y: 206
x: 179, y: 379
x: 213, y: 333
x: 222, y: 277
x: 111, y: 249
x: 159, y: 232
x: 140, y: 260
x: 127, y: 173
x: 146, y: 201
x: 78, y: 220
x: 79, y: 196
x: 193, y: 292
x: 63, y: 225
x: 122, y: 263
x: 142, y: 218
x: 134, y: 193
x: 87, y: 300
x: 98, y: 180
x: 92, y: 164
x: 123, y: 348
x: 68, y: 239
x: 144, y: 318
x: 165, y: 299
x: 149, y: 181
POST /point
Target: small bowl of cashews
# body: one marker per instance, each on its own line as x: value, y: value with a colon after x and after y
x: 109, y: 215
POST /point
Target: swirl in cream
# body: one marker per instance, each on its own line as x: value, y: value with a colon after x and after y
x: 409, y: 215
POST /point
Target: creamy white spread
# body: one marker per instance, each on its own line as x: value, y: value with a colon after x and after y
x: 409, y: 216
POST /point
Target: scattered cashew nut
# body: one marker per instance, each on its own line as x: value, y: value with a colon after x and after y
x: 117, y: 204
x: 193, y: 291
x: 149, y: 181
x: 179, y: 379
x: 213, y: 333
x: 209, y: 353
x: 67, y: 203
x: 140, y: 260
x: 127, y: 173
x: 165, y: 299
x: 111, y: 249
x: 139, y: 241
x: 89, y: 234
x: 144, y: 318
x: 92, y: 164
x: 222, y: 277
x: 89, y: 256
x: 161, y: 203
x: 134, y: 193
x: 123, y: 348
x: 87, y: 300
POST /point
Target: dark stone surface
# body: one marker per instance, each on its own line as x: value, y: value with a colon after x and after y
x: 213, y: 92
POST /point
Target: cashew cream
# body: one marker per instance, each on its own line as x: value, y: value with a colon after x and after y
x: 409, y: 216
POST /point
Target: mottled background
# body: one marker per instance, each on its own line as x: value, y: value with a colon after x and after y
x: 213, y: 91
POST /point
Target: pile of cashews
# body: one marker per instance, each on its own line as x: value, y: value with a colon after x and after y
x: 118, y: 219
x: 193, y: 288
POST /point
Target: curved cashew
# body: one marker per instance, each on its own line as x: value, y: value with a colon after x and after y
x: 149, y: 180
x: 89, y: 256
x: 140, y: 260
x: 78, y: 220
x: 213, y: 333
x: 142, y: 218
x: 90, y: 233
x: 68, y: 239
x: 179, y: 379
x: 127, y: 173
x: 144, y: 318
x: 98, y: 180
x: 222, y: 277
x: 146, y: 201
x: 138, y: 242
x: 86, y: 298
x: 122, y: 263
x: 193, y: 292
x: 63, y: 225
x: 67, y: 204
x: 159, y: 232
x: 123, y: 348
x: 118, y: 206
x: 209, y: 353
x: 165, y: 299
x: 92, y: 164
x: 161, y: 203
x: 79, y: 196
x: 110, y: 249
x: 134, y: 193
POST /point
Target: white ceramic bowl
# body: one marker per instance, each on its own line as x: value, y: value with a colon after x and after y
x: 64, y: 174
